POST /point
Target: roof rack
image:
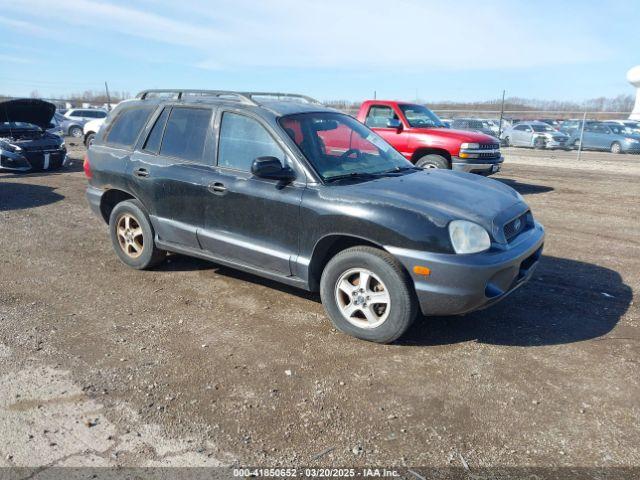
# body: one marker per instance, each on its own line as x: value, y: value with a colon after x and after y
x: 242, y: 97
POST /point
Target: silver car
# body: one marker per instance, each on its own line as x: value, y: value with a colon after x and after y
x: 534, y: 134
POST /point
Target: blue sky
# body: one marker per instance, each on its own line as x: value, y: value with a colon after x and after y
x: 329, y: 49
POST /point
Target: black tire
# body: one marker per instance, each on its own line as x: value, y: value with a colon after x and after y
x: 89, y: 139
x: 432, y: 161
x: 403, y: 304
x: 539, y: 143
x: 616, y: 148
x: 506, y: 142
x: 75, y: 132
x: 149, y: 255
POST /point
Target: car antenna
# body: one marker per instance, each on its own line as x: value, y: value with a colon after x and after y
x: 6, y: 115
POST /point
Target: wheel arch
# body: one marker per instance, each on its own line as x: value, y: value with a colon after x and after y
x: 421, y: 152
x: 326, y: 248
x: 110, y: 199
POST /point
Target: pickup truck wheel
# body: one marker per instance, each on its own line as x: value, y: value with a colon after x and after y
x: 368, y: 294
x: 132, y: 236
x: 616, y: 147
x: 432, y: 161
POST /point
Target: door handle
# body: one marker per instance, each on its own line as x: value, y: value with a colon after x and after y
x: 141, y: 172
x: 217, y: 188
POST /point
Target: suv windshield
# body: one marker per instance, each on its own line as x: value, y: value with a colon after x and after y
x: 338, y: 146
x: 420, y: 116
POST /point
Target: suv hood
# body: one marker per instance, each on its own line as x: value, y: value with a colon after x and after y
x: 465, y: 136
x: 441, y: 196
x: 27, y: 110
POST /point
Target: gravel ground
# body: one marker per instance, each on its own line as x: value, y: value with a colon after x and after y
x: 196, y: 364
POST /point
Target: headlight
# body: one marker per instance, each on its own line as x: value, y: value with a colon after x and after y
x: 469, y: 146
x: 468, y: 237
x: 9, y: 147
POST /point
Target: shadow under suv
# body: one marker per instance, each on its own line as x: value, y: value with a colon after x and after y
x: 248, y: 180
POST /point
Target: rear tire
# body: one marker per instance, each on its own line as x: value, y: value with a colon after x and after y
x: 392, y: 306
x: 506, y: 142
x: 132, y: 236
x: 616, y: 148
x: 432, y: 161
x: 75, y: 132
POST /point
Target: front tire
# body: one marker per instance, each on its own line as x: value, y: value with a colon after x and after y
x: 432, y: 161
x: 616, y: 148
x: 75, y: 132
x: 367, y: 294
x: 539, y: 144
x: 132, y: 236
x: 506, y: 142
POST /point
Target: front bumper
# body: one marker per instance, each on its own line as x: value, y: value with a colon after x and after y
x: 27, y: 161
x: 463, y: 283
x: 477, y: 165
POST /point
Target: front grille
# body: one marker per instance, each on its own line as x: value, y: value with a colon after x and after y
x: 489, y: 155
x: 516, y: 226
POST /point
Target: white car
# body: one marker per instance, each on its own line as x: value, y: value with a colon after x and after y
x: 90, y: 129
x: 83, y: 115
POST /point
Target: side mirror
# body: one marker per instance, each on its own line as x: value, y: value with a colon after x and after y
x: 272, y: 168
x: 394, y: 123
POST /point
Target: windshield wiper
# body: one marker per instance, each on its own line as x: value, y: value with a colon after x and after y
x: 354, y: 175
x: 400, y: 170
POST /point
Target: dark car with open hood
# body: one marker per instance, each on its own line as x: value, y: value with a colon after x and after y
x: 283, y: 187
x: 25, y: 143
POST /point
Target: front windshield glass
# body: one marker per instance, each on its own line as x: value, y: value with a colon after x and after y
x: 338, y: 146
x: 542, y: 128
x: 420, y: 116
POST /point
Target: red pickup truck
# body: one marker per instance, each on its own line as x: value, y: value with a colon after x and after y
x: 418, y: 134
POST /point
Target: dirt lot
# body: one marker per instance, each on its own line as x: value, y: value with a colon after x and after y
x: 198, y: 364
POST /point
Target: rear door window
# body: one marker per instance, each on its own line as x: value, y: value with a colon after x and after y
x: 152, y: 144
x: 185, y: 135
x: 127, y: 126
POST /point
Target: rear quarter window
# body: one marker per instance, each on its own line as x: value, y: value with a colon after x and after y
x: 127, y: 126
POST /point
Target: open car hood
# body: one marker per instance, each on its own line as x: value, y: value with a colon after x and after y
x: 27, y: 110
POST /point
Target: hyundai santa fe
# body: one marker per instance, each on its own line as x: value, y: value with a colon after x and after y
x: 247, y: 180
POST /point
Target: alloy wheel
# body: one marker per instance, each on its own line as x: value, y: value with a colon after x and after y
x: 130, y: 235
x: 362, y: 298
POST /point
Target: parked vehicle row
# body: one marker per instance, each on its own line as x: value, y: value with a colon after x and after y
x: 286, y: 188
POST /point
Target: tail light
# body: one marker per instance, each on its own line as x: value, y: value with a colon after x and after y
x: 87, y: 167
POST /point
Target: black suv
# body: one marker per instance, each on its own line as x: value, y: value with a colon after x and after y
x: 283, y: 187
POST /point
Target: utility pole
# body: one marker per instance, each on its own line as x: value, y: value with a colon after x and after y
x: 501, y: 116
x: 106, y: 87
x: 374, y: 95
x: 584, y: 119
